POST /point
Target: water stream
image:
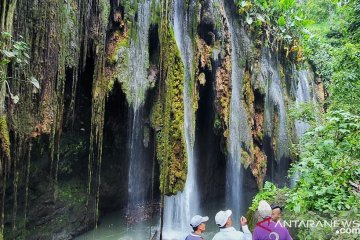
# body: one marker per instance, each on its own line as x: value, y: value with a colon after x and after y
x: 138, y: 185
x: 180, y: 208
x: 303, y: 95
x: 239, y: 130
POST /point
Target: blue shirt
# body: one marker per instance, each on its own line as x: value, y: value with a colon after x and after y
x: 193, y: 236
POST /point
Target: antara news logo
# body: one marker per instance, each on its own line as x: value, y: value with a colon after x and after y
x: 342, y: 226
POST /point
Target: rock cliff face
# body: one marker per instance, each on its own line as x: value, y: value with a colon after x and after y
x: 65, y: 147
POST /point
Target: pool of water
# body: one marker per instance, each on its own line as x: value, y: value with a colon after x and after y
x: 114, y: 227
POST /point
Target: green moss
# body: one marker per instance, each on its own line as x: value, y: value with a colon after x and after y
x: 249, y: 97
x: 4, y: 136
x: 167, y: 117
x: 260, y: 135
x: 121, y: 47
x: 105, y: 12
x: 155, y: 12
x: 275, y: 134
x: 202, y: 78
x: 72, y: 193
x: 246, y: 158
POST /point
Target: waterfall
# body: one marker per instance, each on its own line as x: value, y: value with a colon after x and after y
x: 275, y: 118
x: 239, y: 130
x: 138, y: 185
x: 275, y: 104
x: 180, y: 208
x: 302, y: 96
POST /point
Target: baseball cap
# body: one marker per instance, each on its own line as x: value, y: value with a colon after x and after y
x: 222, y: 217
x: 197, y: 220
x: 264, y: 209
x: 275, y: 206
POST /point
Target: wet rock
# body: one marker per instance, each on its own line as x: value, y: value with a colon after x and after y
x: 59, y: 219
x: 206, y: 26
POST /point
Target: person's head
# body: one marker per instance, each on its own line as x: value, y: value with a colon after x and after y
x: 198, y: 223
x: 264, y: 209
x: 276, y: 213
x: 223, y: 219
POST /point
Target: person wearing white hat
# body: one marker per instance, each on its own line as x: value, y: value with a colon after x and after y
x: 198, y: 225
x: 227, y: 231
x: 266, y: 228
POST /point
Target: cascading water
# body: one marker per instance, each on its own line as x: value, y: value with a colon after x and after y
x: 239, y: 131
x: 138, y: 185
x: 180, y: 208
x: 302, y: 96
x: 275, y: 116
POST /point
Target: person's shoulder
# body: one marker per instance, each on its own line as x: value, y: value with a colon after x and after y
x: 217, y: 236
x: 189, y: 237
x: 192, y: 237
x: 257, y: 229
x: 238, y: 233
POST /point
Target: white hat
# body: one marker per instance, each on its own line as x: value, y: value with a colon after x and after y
x: 222, y: 217
x: 197, y: 220
x: 264, y: 209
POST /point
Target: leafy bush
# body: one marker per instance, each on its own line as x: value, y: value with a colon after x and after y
x: 345, y: 82
x: 305, y: 112
x: 279, y: 21
x: 15, y: 53
x: 330, y: 160
x: 269, y: 193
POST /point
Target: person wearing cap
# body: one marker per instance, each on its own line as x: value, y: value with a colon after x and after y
x: 227, y: 231
x: 198, y: 225
x: 268, y: 229
x: 276, y: 213
x: 279, y: 227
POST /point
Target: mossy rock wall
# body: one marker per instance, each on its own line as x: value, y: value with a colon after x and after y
x: 167, y: 116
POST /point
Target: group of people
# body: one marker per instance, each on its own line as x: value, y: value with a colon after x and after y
x: 266, y: 228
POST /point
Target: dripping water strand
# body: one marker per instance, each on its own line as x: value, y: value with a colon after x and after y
x: 18, y: 149
x: 27, y: 182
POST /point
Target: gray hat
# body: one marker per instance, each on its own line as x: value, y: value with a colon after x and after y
x: 197, y: 220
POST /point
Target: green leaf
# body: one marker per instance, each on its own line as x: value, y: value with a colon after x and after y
x: 282, y: 21
x: 8, y: 54
x: 6, y: 34
x: 35, y: 82
x: 4, y: 61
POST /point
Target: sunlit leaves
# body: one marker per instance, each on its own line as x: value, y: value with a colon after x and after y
x: 35, y: 82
